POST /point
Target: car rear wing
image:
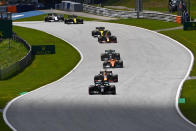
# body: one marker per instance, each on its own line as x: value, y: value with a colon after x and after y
x: 108, y: 51
x: 100, y: 28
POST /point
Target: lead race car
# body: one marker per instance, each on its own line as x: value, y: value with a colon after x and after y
x: 102, y: 88
x: 53, y: 17
x: 106, y: 76
x: 113, y: 63
x: 100, y: 31
x: 110, y: 54
x: 72, y: 19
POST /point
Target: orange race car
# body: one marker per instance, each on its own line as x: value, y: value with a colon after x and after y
x: 113, y: 63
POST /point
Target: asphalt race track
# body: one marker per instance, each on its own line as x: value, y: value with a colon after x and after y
x: 154, y: 66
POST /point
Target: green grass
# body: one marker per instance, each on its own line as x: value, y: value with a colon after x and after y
x: 126, y: 3
x: 160, y: 5
x: 193, y: 14
x: 189, y: 88
x: 43, y: 70
x: 155, y: 5
x: 146, y: 23
x: 117, y: 9
x: 11, y: 54
x: 188, y: 39
x: 3, y: 126
x: 88, y: 19
x: 188, y: 92
x: 41, y: 18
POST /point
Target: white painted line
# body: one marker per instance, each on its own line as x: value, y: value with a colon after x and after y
x: 15, y: 16
x: 13, y: 100
x: 184, y: 79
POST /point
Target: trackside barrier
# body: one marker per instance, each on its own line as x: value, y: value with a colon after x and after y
x: 128, y: 14
x: 190, y: 26
x: 19, y: 65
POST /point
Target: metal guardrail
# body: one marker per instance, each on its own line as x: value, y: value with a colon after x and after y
x: 19, y: 65
x: 128, y: 14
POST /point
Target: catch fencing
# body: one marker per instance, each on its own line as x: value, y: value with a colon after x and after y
x: 128, y: 14
x: 19, y: 65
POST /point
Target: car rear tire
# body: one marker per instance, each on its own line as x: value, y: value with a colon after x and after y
x: 113, y: 90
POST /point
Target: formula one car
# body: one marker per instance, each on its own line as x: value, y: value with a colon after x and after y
x: 110, y: 54
x: 106, y: 76
x: 100, y: 31
x: 72, y: 19
x: 107, y: 39
x: 113, y: 63
x: 102, y: 88
x: 53, y: 17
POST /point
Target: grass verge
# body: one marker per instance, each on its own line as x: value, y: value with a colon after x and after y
x: 11, y: 54
x: 43, y: 70
x: 189, y: 88
x: 188, y: 92
x: 155, y: 5
x: 3, y: 126
x: 146, y: 23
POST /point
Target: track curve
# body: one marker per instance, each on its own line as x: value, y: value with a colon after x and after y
x: 146, y: 91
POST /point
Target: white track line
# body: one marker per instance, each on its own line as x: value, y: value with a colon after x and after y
x: 13, y: 100
x: 185, y: 78
x: 177, y: 95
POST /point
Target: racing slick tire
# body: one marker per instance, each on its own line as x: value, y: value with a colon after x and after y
x: 104, y: 57
x: 115, y: 78
x: 91, y: 90
x: 105, y: 64
x: 117, y: 56
x: 101, y: 39
x: 113, y: 90
x: 113, y: 39
x: 121, y: 64
x: 93, y: 33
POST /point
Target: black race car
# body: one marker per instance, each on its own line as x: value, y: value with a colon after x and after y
x: 100, y: 31
x: 113, y: 63
x: 102, y: 88
x: 107, y: 39
x: 72, y: 19
x: 110, y: 54
x: 106, y: 76
x: 53, y: 17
